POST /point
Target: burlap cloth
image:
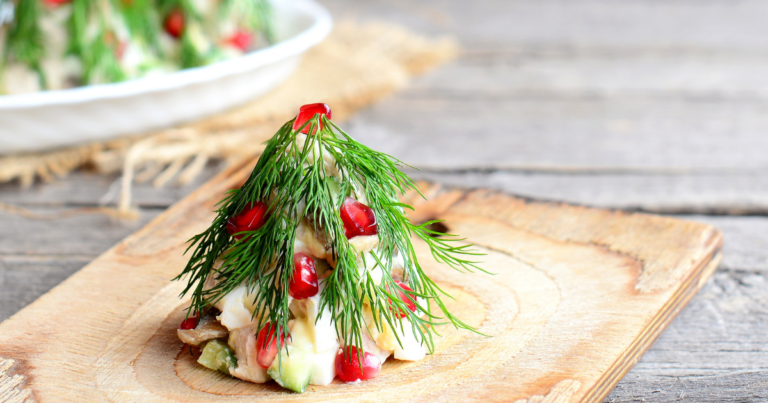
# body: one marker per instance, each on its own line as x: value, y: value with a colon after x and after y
x: 355, y: 66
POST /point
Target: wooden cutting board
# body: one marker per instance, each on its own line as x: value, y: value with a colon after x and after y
x: 579, y: 294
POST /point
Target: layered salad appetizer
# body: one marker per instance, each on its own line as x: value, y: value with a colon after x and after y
x: 57, y: 44
x: 308, y: 272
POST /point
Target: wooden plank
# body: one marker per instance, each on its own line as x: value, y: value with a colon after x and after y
x: 713, y: 352
x: 551, y: 257
x: 677, y: 23
x: 77, y: 235
x: 697, y: 74
x: 89, y: 189
x: 623, y: 134
x: 739, y: 386
x: 721, y: 332
x: 746, y: 241
x: 23, y: 279
x: 555, y: 84
x: 710, y: 193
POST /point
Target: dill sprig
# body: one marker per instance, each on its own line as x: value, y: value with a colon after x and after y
x: 141, y: 18
x: 292, y: 178
x: 25, y: 41
x: 96, y: 50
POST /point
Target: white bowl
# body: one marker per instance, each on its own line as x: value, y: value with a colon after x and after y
x: 49, y: 119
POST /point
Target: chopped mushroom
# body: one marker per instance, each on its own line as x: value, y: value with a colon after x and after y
x: 207, y: 329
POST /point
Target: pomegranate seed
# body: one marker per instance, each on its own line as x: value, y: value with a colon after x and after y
x: 174, y: 23
x: 358, y: 219
x: 348, y: 366
x: 304, y: 281
x: 241, y: 40
x: 266, y: 345
x: 189, y: 323
x: 409, y: 302
x: 120, y: 51
x: 308, y: 112
x: 250, y: 219
x: 118, y: 46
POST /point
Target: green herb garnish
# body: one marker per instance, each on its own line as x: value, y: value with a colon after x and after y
x: 292, y: 178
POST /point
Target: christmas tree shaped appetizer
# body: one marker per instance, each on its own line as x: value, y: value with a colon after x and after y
x: 308, y: 271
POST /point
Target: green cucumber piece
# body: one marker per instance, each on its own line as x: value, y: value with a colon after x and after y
x: 218, y: 356
x: 292, y: 369
x: 335, y: 187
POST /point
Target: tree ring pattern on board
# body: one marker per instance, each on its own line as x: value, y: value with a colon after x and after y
x: 142, y: 357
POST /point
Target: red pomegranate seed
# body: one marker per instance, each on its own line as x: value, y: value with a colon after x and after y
x: 266, y: 345
x: 304, y: 281
x: 174, y: 23
x: 250, y: 219
x: 189, y: 323
x: 120, y: 51
x: 348, y: 365
x: 118, y: 46
x: 358, y: 219
x: 308, y: 112
x: 241, y: 40
x: 409, y: 302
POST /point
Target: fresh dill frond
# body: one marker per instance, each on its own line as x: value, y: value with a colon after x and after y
x: 141, y: 18
x: 25, y: 42
x: 93, y: 40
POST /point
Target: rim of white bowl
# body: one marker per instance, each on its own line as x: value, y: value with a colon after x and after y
x: 320, y: 28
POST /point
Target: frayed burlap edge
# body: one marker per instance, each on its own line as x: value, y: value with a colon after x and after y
x: 354, y: 67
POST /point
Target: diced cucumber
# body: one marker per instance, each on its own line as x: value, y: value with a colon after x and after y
x: 217, y: 356
x: 292, y: 369
x: 335, y: 188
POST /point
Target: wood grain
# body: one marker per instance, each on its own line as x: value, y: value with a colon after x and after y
x: 596, y: 132
x: 578, y: 295
x: 623, y: 24
x: 603, y: 85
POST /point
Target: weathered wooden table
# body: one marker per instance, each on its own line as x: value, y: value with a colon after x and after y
x: 651, y: 106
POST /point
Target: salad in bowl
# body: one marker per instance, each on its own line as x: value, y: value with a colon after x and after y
x: 58, y: 44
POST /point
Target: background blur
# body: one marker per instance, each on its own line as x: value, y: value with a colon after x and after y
x: 657, y: 106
